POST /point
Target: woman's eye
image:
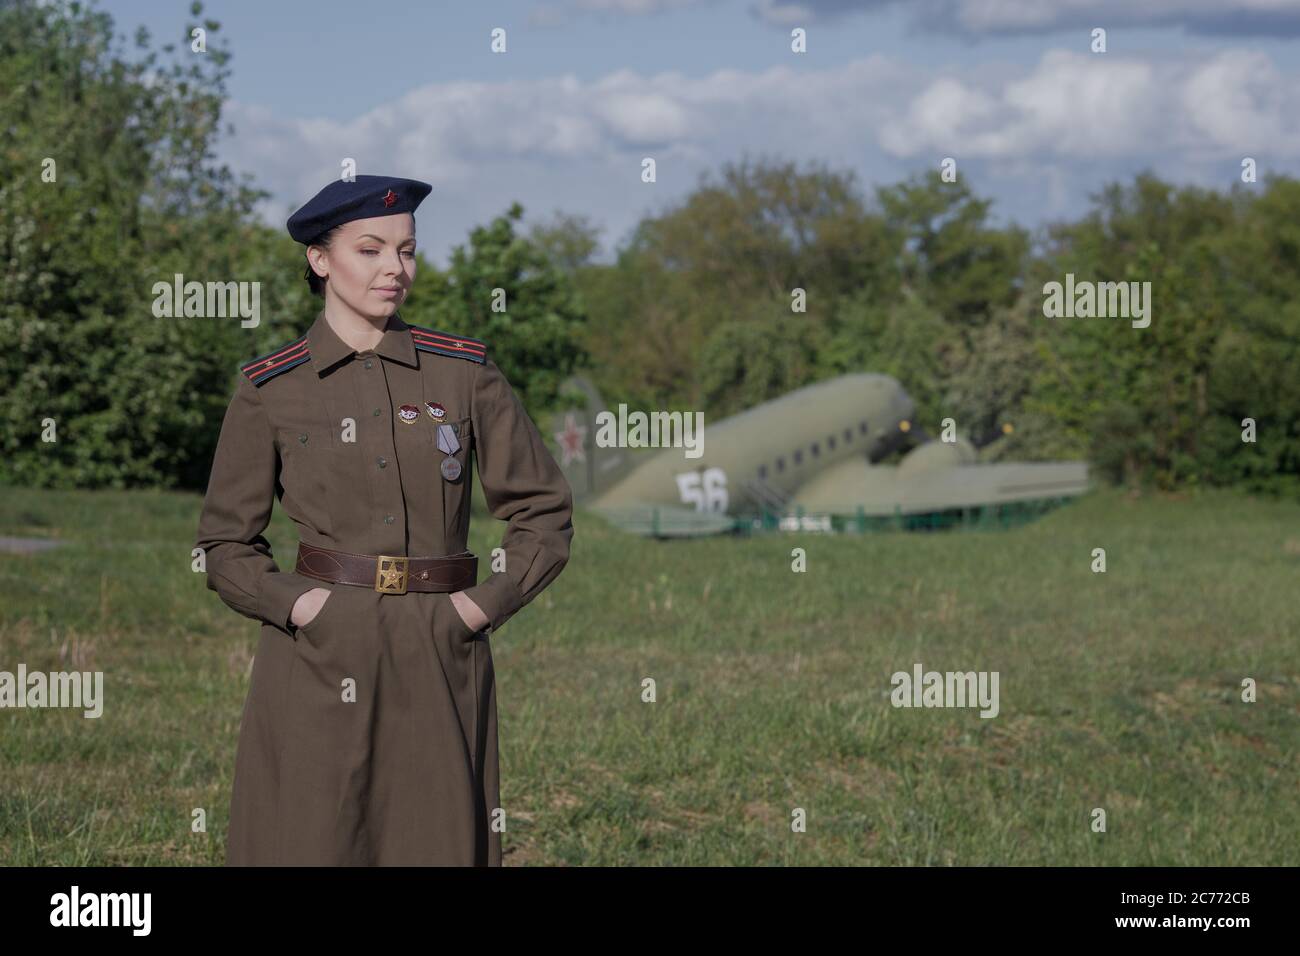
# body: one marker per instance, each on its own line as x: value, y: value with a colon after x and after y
x: 366, y: 252
x: 409, y: 252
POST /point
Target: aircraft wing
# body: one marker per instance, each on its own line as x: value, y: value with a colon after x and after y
x: 969, y: 486
x: 883, y: 490
x: 666, y: 521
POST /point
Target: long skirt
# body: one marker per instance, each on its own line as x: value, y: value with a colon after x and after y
x: 369, y: 737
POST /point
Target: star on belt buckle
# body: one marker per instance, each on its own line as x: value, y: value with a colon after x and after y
x: 391, y: 579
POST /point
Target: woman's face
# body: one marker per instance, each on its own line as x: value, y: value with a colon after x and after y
x: 370, y: 264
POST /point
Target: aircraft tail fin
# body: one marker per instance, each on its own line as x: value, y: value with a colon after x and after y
x: 588, y: 468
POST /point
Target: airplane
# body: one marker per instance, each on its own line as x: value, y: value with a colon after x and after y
x: 808, y: 460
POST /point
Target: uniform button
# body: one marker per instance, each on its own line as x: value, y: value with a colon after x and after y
x: 369, y: 362
x: 388, y: 519
x: 377, y: 412
x: 382, y: 462
x: 303, y: 439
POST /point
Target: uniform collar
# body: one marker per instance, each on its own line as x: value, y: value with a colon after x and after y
x: 327, y: 348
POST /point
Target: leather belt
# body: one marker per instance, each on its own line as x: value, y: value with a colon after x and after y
x: 388, y: 573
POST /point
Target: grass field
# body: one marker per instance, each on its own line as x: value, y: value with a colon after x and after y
x: 1119, y: 690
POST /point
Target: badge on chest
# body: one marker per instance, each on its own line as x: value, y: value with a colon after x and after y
x: 447, y: 436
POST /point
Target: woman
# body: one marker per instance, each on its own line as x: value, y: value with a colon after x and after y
x: 369, y: 732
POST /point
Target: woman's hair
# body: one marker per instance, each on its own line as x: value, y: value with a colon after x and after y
x: 315, y: 282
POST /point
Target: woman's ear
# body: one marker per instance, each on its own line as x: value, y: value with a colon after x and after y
x: 317, y: 259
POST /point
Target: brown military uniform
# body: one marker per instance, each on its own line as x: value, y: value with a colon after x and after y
x: 369, y: 735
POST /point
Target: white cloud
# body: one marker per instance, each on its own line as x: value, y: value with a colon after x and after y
x: 1084, y: 106
x: 983, y: 17
x: 577, y: 145
x: 558, y: 14
x: 1008, y: 17
x: 637, y: 115
x: 1240, y: 102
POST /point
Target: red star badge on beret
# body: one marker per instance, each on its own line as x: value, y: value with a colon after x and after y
x: 390, y: 198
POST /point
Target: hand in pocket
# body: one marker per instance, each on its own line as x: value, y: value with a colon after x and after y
x: 308, y: 606
x: 470, y: 614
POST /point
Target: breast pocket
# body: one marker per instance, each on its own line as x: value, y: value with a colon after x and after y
x: 306, y: 463
x: 453, y: 475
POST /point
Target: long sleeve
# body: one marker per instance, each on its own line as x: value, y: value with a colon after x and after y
x: 237, y: 509
x: 523, y: 486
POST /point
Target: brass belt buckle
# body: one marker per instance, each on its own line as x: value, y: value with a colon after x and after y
x: 391, y: 579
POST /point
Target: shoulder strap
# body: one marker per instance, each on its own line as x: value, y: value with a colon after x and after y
x: 266, y: 367
x: 457, y: 346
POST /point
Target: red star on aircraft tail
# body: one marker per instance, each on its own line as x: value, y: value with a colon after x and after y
x: 571, y: 440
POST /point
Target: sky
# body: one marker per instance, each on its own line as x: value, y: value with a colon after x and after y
x: 586, y: 89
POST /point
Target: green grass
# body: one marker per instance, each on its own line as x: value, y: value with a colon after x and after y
x: 1118, y: 690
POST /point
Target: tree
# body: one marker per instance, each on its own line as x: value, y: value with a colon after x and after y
x: 568, y: 241
x: 108, y: 188
x: 506, y: 290
x: 721, y: 266
x: 960, y: 265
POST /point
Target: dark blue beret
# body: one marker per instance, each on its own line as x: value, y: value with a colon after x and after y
x: 367, y: 197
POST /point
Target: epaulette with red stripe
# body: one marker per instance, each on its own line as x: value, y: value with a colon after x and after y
x: 268, y: 366
x: 457, y: 346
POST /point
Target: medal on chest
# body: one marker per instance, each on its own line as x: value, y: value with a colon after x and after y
x: 449, y: 444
